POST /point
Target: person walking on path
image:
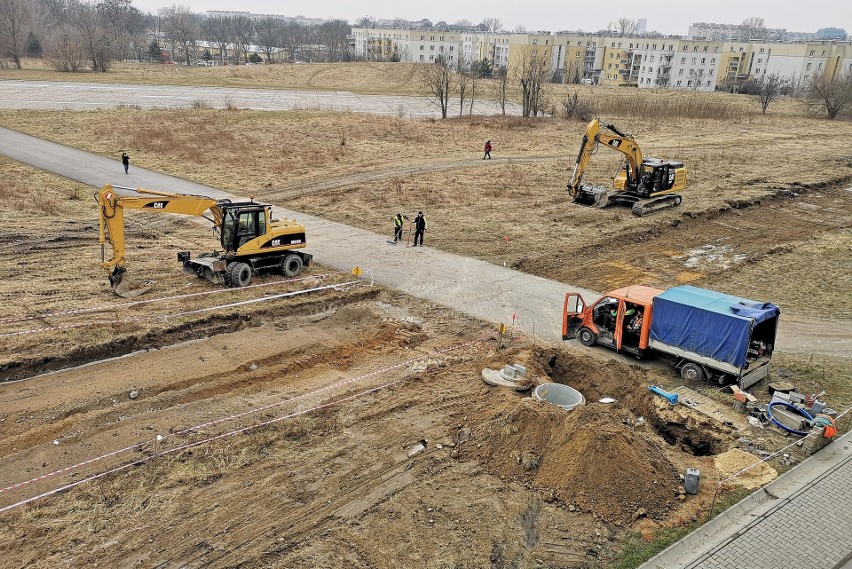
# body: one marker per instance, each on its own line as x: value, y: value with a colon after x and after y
x: 125, y: 159
x: 397, y: 227
x: 487, y: 150
x: 419, y: 228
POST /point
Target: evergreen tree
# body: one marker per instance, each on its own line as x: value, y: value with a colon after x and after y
x: 154, y: 50
x: 34, y: 48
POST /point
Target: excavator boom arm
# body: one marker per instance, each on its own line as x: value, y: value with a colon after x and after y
x: 619, y: 141
x: 112, y: 204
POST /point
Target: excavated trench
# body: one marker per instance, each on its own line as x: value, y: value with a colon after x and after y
x: 691, y: 433
x: 182, y: 332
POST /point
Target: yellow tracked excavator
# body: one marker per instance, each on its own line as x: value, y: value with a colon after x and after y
x: 251, y: 239
x: 647, y: 185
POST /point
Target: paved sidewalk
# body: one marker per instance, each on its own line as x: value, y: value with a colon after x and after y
x: 92, y: 96
x: 801, y: 520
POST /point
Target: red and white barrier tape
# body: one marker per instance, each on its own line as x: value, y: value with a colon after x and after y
x: 235, y: 416
x: 166, y: 317
x: 106, y: 307
x: 776, y: 453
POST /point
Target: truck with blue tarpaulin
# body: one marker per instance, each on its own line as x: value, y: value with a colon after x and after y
x: 707, y: 334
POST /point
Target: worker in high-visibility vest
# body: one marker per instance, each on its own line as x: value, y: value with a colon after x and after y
x: 397, y: 227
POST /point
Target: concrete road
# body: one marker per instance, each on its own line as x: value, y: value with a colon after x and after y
x: 479, y: 289
x: 91, y: 96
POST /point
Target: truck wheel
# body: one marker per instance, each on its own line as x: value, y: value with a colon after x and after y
x: 291, y: 265
x: 692, y: 372
x: 238, y: 275
x: 586, y: 337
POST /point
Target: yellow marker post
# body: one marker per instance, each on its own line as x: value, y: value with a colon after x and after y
x: 357, y: 271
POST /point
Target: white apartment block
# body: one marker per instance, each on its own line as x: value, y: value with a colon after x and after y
x: 410, y: 45
x: 652, y: 63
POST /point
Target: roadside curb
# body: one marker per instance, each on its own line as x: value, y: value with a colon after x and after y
x: 694, y: 548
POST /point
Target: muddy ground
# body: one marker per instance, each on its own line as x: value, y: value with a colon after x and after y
x: 503, y: 480
x: 288, y: 428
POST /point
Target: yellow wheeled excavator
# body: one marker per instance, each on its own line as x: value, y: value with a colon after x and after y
x: 250, y: 238
x: 646, y: 185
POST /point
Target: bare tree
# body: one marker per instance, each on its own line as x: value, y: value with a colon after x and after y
x: 696, y: 76
x: 626, y: 27
x: 15, y: 19
x: 502, y: 88
x: 462, y: 84
x: 573, y: 107
x: 574, y: 71
x: 438, y: 83
x: 182, y: 26
x: 122, y: 21
x: 94, y: 36
x: 752, y: 29
x: 242, y: 31
x: 769, y: 88
x: 333, y: 35
x: 461, y: 24
x: 217, y: 30
x: 64, y: 50
x: 532, y: 72
x: 492, y: 25
x: 828, y: 94
x: 294, y: 36
x: 473, y: 86
x: 270, y: 34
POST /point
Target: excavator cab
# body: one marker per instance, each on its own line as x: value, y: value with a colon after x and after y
x: 241, y: 223
x: 644, y: 184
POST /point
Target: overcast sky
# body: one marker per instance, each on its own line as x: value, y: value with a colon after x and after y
x: 665, y: 16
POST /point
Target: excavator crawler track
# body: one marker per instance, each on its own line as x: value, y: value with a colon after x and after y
x: 646, y: 207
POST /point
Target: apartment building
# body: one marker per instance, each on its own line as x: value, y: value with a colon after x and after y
x: 419, y: 46
x: 648, y: 63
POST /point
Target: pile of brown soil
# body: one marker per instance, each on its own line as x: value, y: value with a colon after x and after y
x: 592, y: 458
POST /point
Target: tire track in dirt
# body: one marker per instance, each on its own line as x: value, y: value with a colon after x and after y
x: 321, y: 507
x: 340, y: 183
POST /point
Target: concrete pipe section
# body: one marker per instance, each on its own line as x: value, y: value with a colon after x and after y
x: 559, y: 395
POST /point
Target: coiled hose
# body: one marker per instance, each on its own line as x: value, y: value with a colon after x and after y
x: 775, y: 421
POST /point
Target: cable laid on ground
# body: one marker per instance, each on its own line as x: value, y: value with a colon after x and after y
x: 337, y: 286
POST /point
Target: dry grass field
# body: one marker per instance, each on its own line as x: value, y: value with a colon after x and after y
x: 777, y: 179
x: 354, y: 378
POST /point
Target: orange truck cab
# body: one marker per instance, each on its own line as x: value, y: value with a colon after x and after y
x: 706, y: 334
x: 620, y: 320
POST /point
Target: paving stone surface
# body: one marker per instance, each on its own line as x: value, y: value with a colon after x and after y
x: 812, y: 529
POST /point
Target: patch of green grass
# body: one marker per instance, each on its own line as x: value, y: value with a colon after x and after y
x: 635, y: 550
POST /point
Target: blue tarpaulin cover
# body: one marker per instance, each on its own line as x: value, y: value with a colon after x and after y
x: 709, y: 323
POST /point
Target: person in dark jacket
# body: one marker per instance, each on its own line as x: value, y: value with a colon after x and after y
x: 397, y: 227
x: 487, y: 150
x: 419, y: 228
x: 125, y: 159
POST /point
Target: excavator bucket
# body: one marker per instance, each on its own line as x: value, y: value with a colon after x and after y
x: 126, y: 287
x: 589, y: 194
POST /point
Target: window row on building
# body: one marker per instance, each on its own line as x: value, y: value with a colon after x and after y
x: 672, y: 62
